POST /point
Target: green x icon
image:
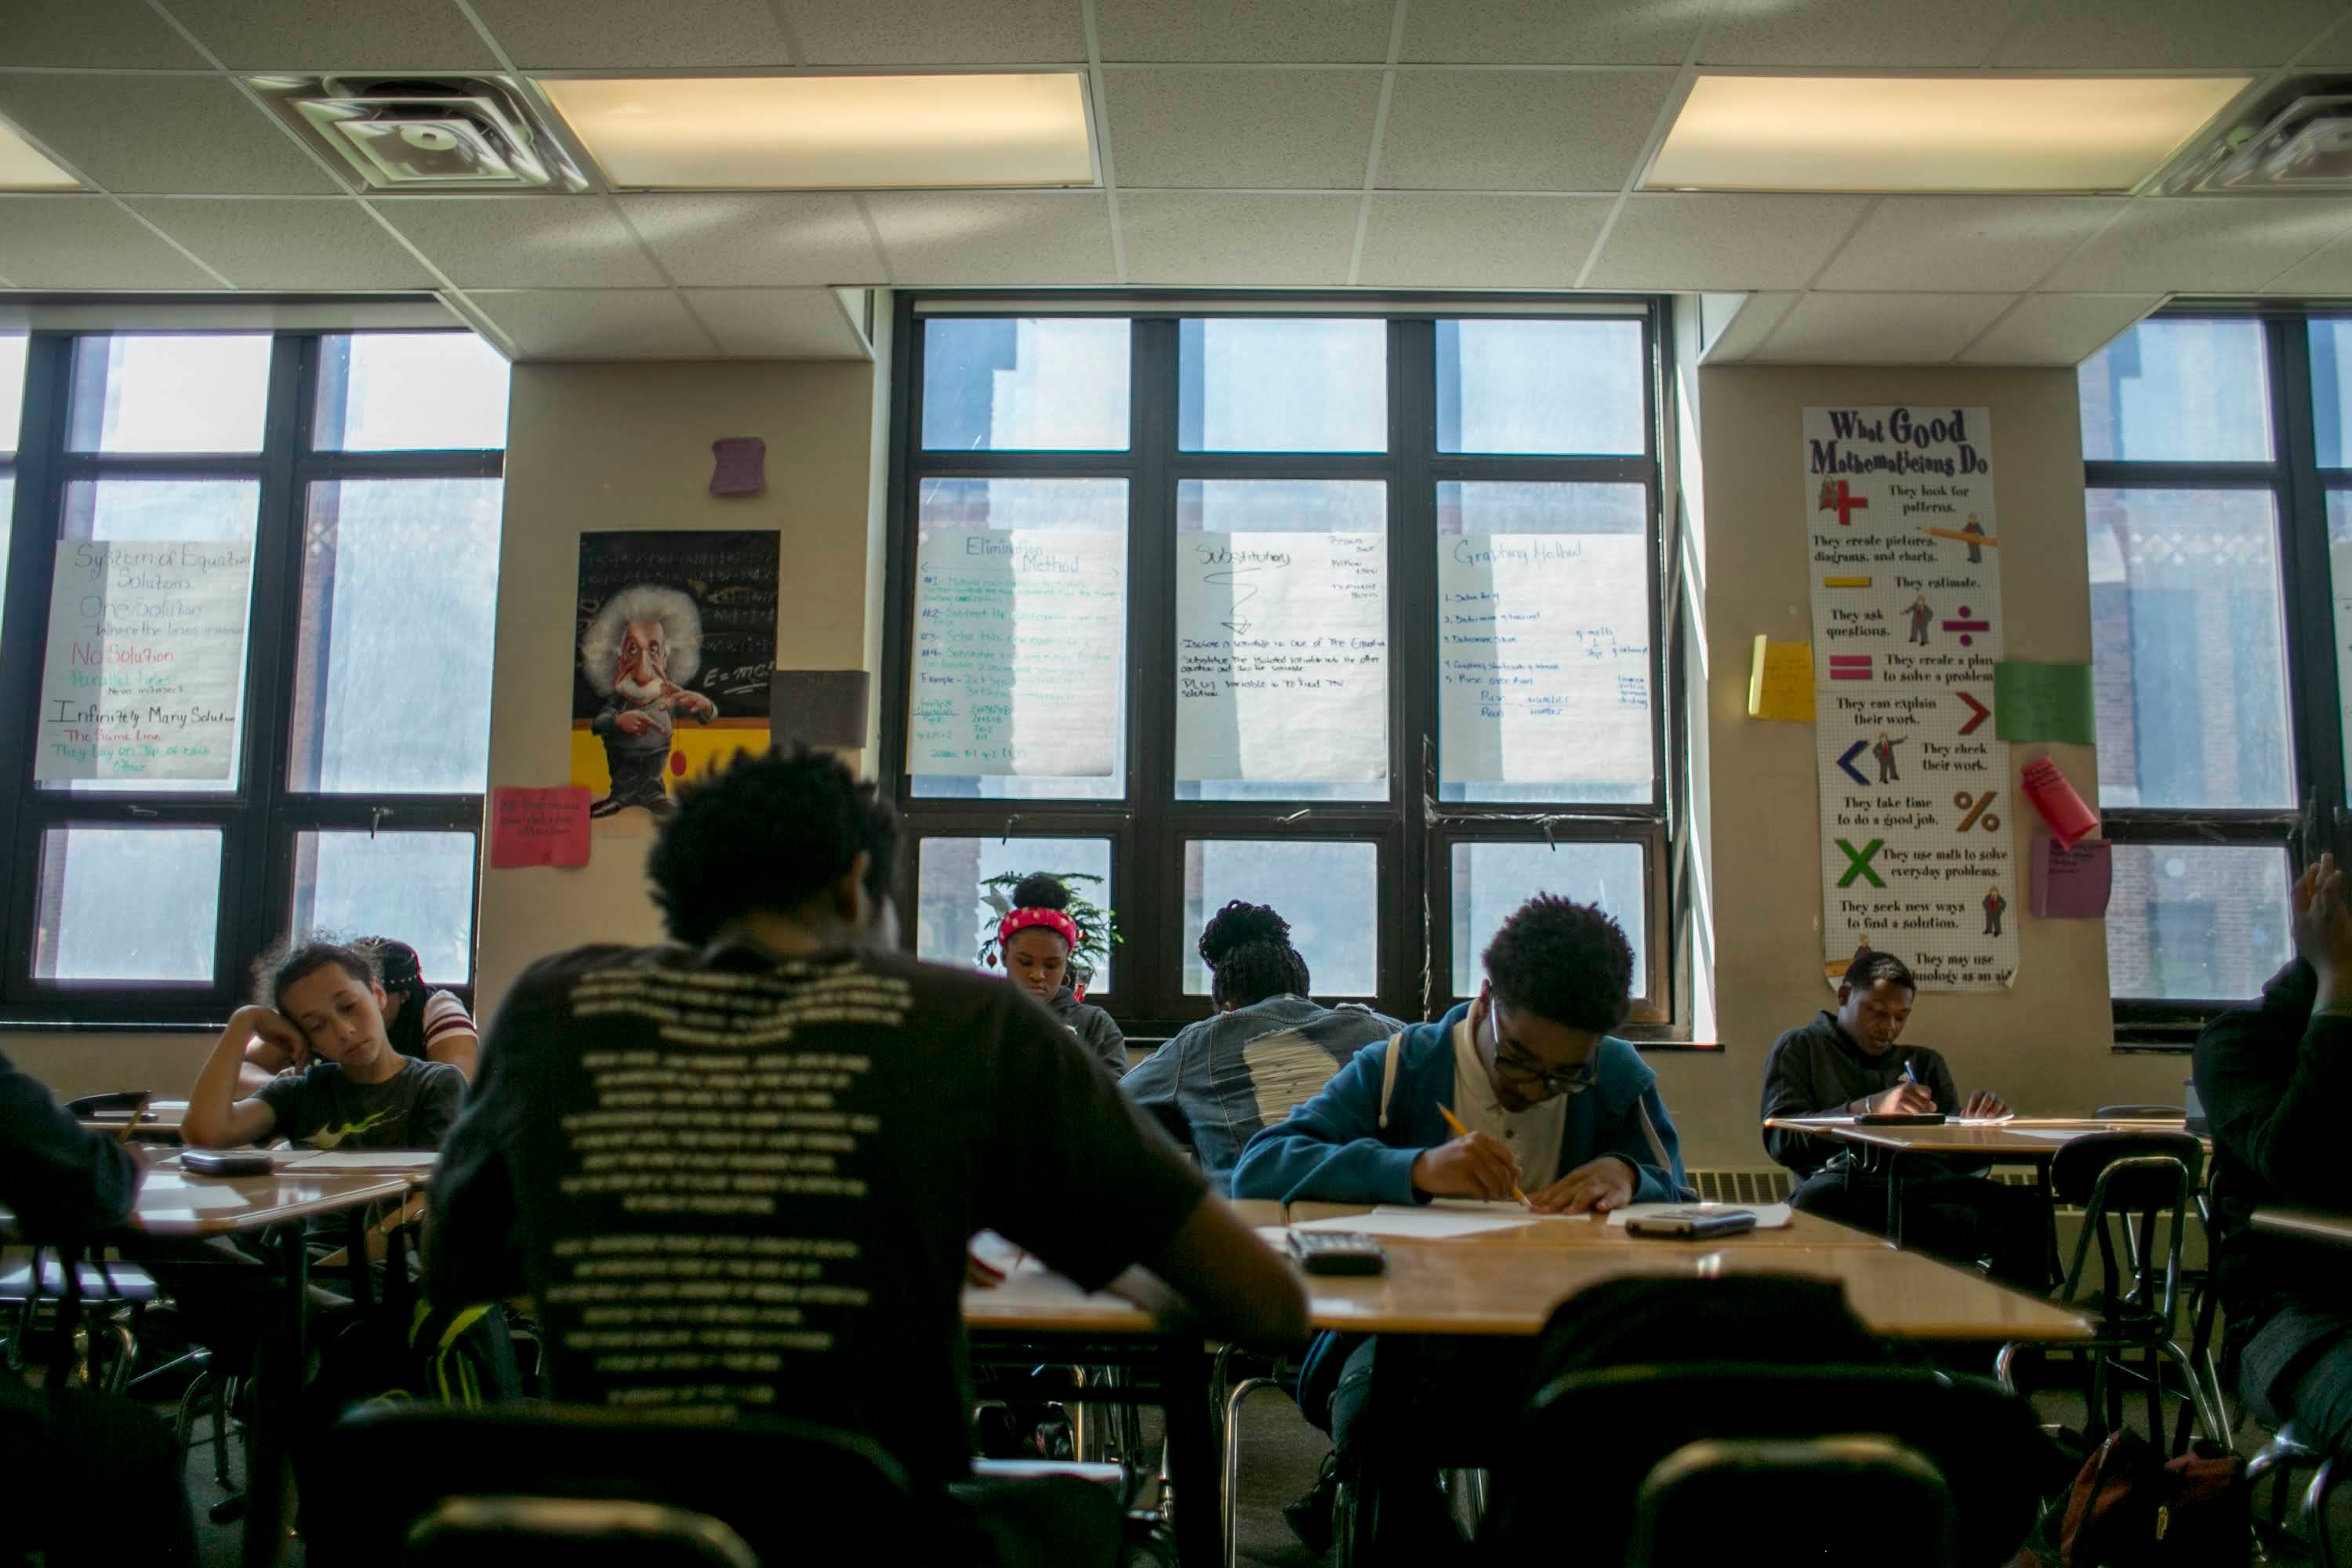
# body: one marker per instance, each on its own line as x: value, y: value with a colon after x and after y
x: 1858, y: 862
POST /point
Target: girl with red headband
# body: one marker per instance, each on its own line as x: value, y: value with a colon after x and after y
x: 1041, y: 947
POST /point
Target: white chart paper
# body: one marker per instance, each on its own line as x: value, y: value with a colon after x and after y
x: 145, y: 670
x: 1544, y: 658
x: 1282, y: 656
x: 1019, y: 639
x: 1918, y: 810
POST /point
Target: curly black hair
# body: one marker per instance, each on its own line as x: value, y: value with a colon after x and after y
x: 768, y: 831
x: 280, y: 967
x: 1563, y: 960
x: 1869, y: 968
x: 1041, y: 890
x: 1248, y: 951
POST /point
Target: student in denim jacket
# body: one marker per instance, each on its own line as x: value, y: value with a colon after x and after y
x: 1266, y: 1051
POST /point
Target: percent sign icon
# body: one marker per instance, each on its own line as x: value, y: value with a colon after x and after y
x: 1975, y: 806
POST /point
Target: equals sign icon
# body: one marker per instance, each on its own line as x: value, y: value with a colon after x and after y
x: 1849, y: 667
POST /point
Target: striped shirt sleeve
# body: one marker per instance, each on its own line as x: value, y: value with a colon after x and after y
x: 443, y: 1016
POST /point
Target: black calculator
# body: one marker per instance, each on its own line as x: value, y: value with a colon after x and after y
x: 1338, y: 1252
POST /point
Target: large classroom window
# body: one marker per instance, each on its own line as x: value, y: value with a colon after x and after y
x: 2220, y: 503
x: 249, y: 603
x: 1354, y: 614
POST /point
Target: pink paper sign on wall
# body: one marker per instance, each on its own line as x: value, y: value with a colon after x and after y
x: 539, y: 828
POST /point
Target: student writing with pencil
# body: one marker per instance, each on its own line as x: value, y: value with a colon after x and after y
x: 1522, y: 1094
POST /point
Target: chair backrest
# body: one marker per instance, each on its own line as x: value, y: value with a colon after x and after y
x: 2139, y: 1179
x: 1806, y: 1486
x: 497, y: 1531
x: 381, y: 1469
x: 1603, y: 1431
x: 2139, y: 1113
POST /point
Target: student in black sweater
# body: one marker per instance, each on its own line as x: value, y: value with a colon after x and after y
x: 2274, y: 1077
x: 1845, y: 1063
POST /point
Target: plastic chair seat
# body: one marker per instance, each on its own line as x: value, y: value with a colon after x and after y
x: 1101, y: 1473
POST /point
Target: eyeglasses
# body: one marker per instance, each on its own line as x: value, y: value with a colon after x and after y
x: 1575, y: 1080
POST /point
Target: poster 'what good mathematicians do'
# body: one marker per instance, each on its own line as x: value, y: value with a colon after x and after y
x: 1902, y: 544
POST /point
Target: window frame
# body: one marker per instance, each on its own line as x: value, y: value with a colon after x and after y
x: 261, y: 820
x: 2298, y: 487
x: 1149, y: 827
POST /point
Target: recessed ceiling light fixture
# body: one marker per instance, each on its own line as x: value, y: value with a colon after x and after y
x: 832, y: 133
x: 22, y: 168
x: 1964, y: 132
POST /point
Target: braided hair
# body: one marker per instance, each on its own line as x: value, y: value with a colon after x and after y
x: 402, y: 973
x: 1248, y: 951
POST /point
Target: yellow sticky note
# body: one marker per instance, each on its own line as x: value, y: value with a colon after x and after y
x: 1780, y: 681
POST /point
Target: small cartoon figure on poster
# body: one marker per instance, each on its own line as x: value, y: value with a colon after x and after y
x: 1920, y: 616
x: 1976, y: 552
x: 637, y: 653
x: 1884, y: 752
x: 1994, y: 906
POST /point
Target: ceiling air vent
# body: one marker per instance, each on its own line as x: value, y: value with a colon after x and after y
x: 458, y: 134
x: 2294, y: 140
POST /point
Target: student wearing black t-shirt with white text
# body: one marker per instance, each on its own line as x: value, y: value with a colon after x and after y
x: 811, y: 1129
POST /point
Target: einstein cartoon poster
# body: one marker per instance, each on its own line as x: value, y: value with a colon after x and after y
x: 673, y: 646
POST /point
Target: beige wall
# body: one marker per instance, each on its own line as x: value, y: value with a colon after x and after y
x: 2045, y: 1044
x: 597, y: 446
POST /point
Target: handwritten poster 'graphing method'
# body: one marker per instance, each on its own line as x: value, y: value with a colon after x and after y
x: 1019, y: 636
x: 146, y: 661
x: 1903, y: 543
x: 1282, y: 656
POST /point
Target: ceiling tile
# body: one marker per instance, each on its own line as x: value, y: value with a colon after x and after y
x: 1016, y: 238
x: 1314, y: 31
x: 1277, y: 130
x: 1856, y: 32
x: 521, y: 242
x: 596, y: 323
x: 2204, y: 244
x: 720, y: 240
x: 1516, y: 130
x: 1669, y: 240
x: 302, y: 35
x: 328, y: 243
x: 1879, y: 329
x: 1965, y: 242
x: 2163, y: 33
x: 778, y: 323
x: 121, y: 34
x: 938, y: 32
x: 1188, y: 238
x: 2058, y: 329
x: 1748, y: 331
x: 633, y: 35
x: 87, y: 242
x: 1442, y: 239
x: 162, y: 135
x: 1533, y: 32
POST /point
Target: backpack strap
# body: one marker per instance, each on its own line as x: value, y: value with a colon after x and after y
x: 1388, y: 1076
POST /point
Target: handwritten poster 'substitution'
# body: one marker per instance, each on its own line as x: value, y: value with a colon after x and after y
x: 1018, y: 637
x: 1917, y: 811
x: 146, y: 661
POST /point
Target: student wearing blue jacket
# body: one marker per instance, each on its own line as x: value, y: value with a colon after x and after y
x: 1553, y: 1105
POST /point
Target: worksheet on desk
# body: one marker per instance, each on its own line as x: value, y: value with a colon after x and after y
x: 1768, y: 1217
x: 1440, y: 1220
x: 390, y: 1160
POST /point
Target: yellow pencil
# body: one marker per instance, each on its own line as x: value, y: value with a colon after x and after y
x: 1460, y: 1131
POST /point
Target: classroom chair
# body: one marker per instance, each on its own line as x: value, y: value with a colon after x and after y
x: 1679, y: 1518
x: 91, y: 1309
x: 496, y: 1532
x: 385, y: 1475
x: 2286, y: 1452
x: 2136, y: 1180
x: 1976, y: 1441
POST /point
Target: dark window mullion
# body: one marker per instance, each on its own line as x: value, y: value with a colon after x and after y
x: 24, y: 617
x: 1409, y: 952
x: 2311, y: 641
x: 1155, y: 868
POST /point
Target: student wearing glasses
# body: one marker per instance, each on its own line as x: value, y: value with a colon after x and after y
x: 1549, y: 1103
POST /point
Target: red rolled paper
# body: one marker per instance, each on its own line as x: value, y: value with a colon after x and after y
x: 2070, y: 820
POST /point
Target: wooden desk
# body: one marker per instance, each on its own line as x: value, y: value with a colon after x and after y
x: 161, y: 1124
x: 174, y: 1202
x: 2334, y: 1229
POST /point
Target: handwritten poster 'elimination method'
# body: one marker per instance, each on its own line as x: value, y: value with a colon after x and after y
x: 1282, y: 656
x: 146, y: 661
x: 1904, y: 547
x: 1544, y: 658
x: 1019, y: 636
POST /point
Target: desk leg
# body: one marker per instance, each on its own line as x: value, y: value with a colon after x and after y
x: 2050, y: 1222
x: 1894, y: 1197
x: 276, y: 1395
x: 1192, y: 1454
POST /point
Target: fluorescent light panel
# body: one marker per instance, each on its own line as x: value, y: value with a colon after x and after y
x: 22, y: 168
x: 831, y: 132
x: 1932, y: 133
